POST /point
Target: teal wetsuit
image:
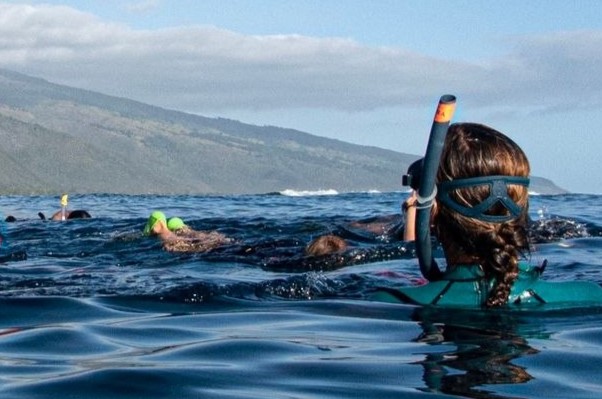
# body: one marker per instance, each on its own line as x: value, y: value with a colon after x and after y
x: 466, y: 286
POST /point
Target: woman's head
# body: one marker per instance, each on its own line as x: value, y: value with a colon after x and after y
x: 483, y: 221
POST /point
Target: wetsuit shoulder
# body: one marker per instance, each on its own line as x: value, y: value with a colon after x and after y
x: 465, y: 286
x: 469, y: 289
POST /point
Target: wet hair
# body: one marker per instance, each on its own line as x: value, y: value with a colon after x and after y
x: 79, y: 214
x: 474, y: 150
x: 325, y: 245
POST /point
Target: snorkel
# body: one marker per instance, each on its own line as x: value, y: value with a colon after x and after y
x: 427, y: 191
x: 64, y: 200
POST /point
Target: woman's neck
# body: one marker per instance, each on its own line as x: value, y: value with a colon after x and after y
x: 456, y: 256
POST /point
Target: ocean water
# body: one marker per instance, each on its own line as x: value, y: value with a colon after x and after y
x: 92, y: 309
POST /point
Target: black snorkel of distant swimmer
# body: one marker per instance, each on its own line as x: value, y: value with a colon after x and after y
x: 427, y: 190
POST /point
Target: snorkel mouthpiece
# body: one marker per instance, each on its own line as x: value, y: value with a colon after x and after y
x: 427, y: 190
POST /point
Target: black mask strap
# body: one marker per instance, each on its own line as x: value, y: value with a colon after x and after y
x: 498, y: 193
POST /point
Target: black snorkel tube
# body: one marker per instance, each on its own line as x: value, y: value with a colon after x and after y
x: 428, y: 190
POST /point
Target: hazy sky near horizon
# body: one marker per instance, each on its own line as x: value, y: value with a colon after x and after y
x: 366, y: 72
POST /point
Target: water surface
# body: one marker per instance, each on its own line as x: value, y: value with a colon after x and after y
x: 91, y: 308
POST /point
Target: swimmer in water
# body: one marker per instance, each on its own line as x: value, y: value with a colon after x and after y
x: 331, y: 251
x: 64, y: 214
x: 178, y: 237
x: 495, y: 239
x: 75, y: 214
x: 325, y: 245
x: 480, y: 217
x: 396, y: 227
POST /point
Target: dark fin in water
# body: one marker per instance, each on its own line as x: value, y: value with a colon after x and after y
x: 42, y: 216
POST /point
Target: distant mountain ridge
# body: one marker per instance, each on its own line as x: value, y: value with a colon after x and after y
x: 62, y: 139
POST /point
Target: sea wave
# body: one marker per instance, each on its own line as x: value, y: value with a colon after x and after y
x: 309, y: 193
x: 306, y: 193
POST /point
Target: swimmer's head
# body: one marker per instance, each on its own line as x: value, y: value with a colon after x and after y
x: 481, y: 210
x: 79, y: 214
x: 174, y: 224
x: 155, y: 217
x: 325, y: 245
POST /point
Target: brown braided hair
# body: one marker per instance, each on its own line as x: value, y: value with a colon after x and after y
x: 473, y: 150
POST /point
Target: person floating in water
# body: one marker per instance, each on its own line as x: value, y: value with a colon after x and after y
x: 331, y: 251
x: 65, y: 214
x: 75, y: 214
x: 178, y: 237
x: 325, y: 245
x: 480, y: 216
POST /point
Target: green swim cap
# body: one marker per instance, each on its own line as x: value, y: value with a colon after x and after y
x: 175, y: 224
x: 152, y: 220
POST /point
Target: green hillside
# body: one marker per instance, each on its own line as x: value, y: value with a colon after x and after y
x: 61, y: 139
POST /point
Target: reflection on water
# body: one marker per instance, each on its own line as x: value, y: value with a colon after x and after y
x: 484, y: 347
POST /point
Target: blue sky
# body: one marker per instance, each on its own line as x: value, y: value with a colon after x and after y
x: 366, y: 72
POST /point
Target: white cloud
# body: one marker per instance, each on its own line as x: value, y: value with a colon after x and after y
x: 203, y: 68
x: 142, y: 7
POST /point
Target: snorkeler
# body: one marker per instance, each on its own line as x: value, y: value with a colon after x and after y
x: 325, y: 245
x: 178, y: 237
x: 397, y: 226
x: 65, y: 214
x: 479, y: 213
x: 75, y: 214
x: 331, y: 251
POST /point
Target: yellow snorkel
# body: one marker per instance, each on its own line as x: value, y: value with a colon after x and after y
x: 64, y: 201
